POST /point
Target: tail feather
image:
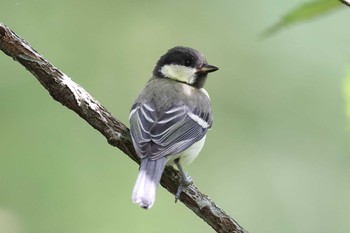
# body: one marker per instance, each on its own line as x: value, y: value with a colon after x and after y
x: 150, y: 173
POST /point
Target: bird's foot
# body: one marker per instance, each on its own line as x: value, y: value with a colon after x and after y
x: 185, y: 181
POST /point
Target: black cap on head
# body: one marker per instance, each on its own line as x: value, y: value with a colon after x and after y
x: 180, y: 55
x: 185, y: 56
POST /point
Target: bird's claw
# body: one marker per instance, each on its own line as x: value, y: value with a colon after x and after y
x: 185, y: 181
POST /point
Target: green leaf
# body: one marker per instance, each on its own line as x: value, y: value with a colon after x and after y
x: 304, y: 12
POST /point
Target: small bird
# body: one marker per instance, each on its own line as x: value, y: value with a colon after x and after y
x: 169, y: 120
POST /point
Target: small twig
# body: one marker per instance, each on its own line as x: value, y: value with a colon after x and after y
x: 74, y: 97
x: 346, y: 2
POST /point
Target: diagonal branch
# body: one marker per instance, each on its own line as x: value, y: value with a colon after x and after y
x: 346, y: 2
x: 74, y: 97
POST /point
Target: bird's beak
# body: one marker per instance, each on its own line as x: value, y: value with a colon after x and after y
x: 205, y: 68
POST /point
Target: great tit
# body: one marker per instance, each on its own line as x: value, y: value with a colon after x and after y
x: 169, y: 119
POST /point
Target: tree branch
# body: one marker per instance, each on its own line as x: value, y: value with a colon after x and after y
x: 346, y: 2
x: 74, y: 97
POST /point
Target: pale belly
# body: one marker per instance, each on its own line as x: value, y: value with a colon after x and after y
x: 187, y: 156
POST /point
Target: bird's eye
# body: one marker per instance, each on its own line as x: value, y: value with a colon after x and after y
x: 188, y: 62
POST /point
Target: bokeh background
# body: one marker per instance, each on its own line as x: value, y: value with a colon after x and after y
x: 276, y: 160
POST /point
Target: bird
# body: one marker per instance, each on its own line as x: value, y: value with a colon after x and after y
x: 169, y: 120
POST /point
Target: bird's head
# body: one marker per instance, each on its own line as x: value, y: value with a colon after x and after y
x: 185, y: 65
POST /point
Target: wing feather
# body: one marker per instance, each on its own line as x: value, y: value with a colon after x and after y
x: 158, y: 134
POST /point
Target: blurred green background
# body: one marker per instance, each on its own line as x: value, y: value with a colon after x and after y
x: 276, y: 160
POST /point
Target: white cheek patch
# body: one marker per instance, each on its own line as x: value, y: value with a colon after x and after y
x: 180, y: 73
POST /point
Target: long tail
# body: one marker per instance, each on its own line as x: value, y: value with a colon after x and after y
x: 144, y: 192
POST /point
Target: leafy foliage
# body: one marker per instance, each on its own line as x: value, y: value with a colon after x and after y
x: 306, y: 11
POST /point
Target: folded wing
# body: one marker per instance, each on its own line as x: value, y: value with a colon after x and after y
x: 160, y: 134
